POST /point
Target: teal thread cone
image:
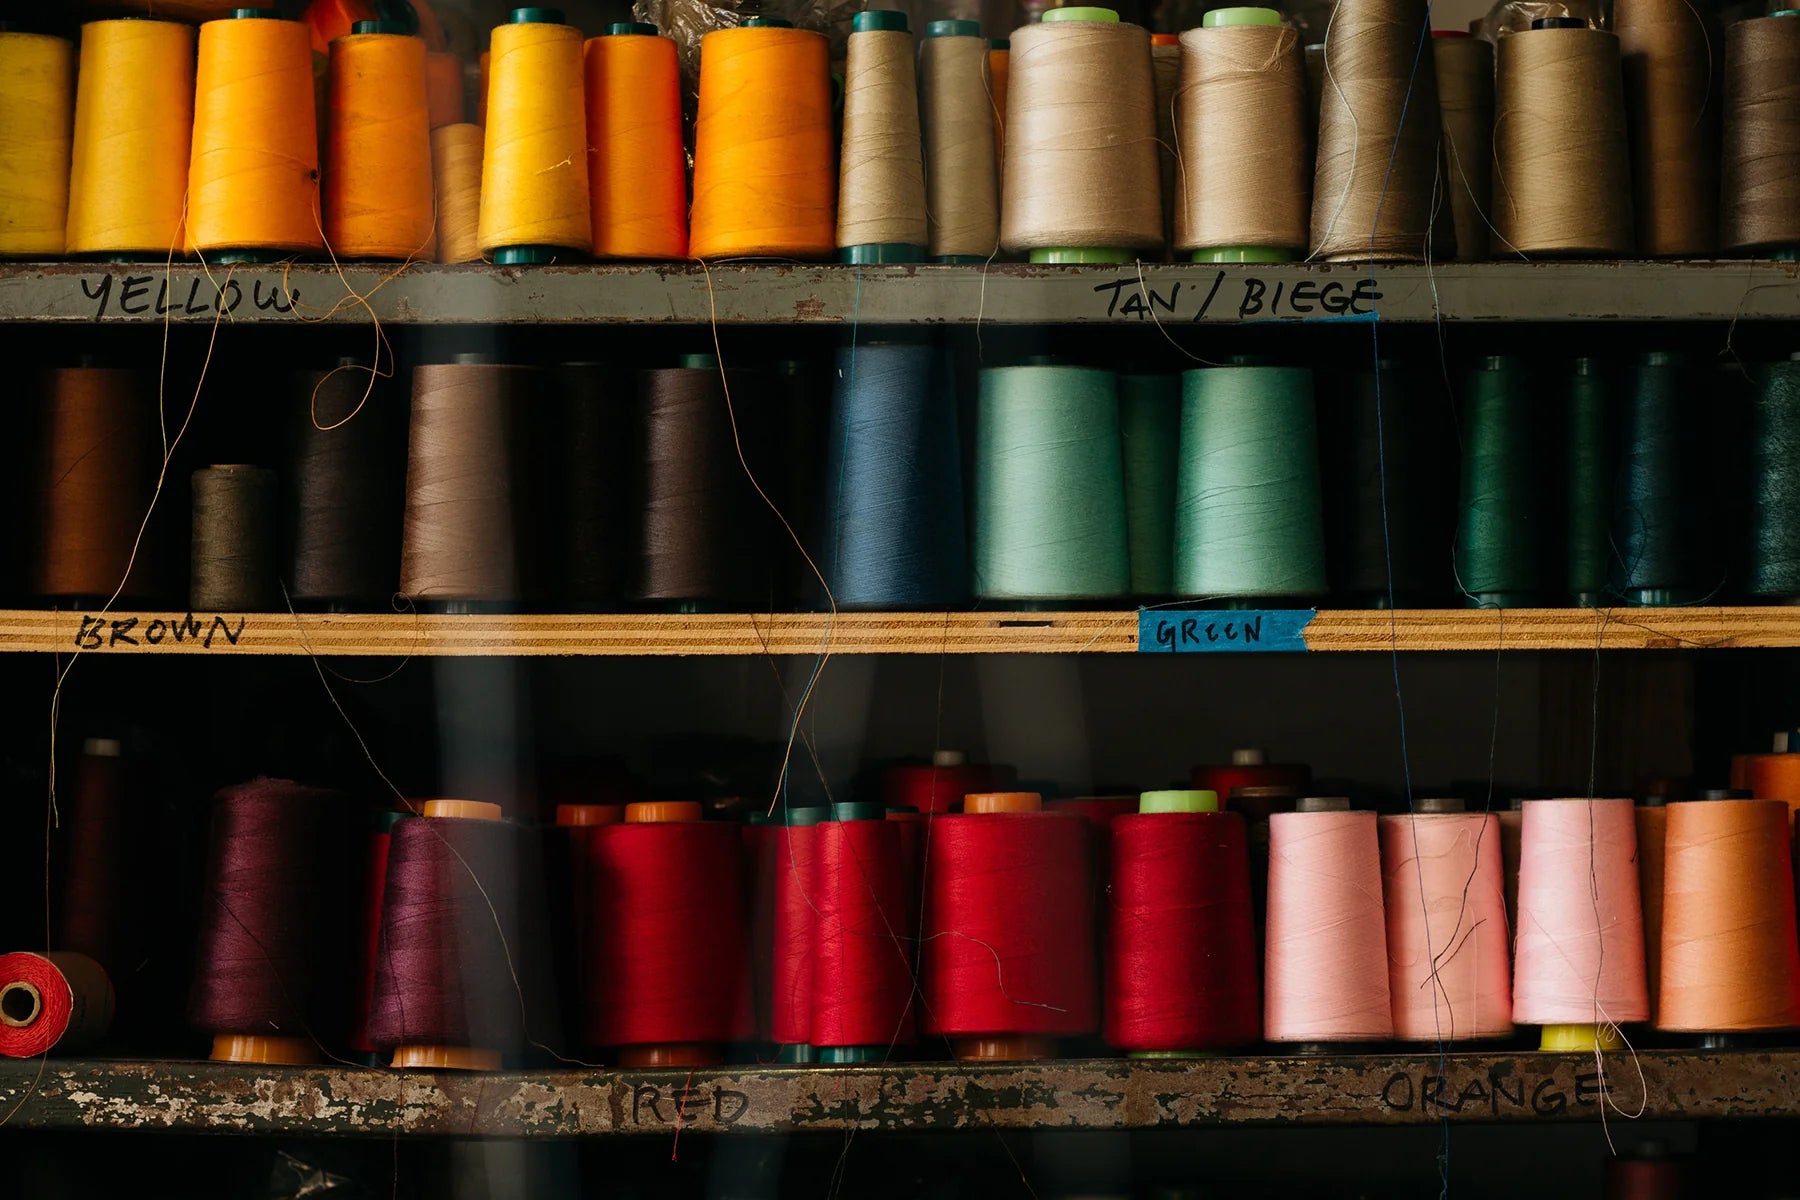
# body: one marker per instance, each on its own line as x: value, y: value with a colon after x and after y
x: 1247, y: 513
x: 1049, y: 485
x: 1660, y: 520
x: 1150, y: 423
x: 1774, y: 502
x: 1587, y: 512
x: 1497, y: 527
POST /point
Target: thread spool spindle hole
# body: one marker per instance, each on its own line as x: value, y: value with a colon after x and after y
x: 20, y: 1004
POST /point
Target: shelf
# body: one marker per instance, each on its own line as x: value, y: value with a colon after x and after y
x: 1079, y: 1094
x: 807, y: 294
x: 1276, y: 630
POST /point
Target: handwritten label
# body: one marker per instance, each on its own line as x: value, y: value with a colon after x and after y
x: 1492, y: 1093
x: 108, y: 633
x: 181, y: 294
x: 680, y: 1104
x: 1212, y: 631
x: 1228, y: 297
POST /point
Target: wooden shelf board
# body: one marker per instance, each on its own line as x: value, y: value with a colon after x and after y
x: 1170, y: 295
x: 1380, y: 1089
x: 407, y: 634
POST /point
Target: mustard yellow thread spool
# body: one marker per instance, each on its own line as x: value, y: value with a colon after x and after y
x: 534, y: 183
x: 128, y: 175
x: 37, y: 118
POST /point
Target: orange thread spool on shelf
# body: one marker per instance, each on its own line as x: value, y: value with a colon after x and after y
x: 129, y: 173
x: 1729, y: 956
x: 764, y: 178
x: 534, y: 183
x: 1775, y: 777
x: 253, y: 179
x: 456, y: 180
x: 378, y: 185
x: 638, y: 174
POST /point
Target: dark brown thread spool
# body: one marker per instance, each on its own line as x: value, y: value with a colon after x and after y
x: 1760, y: 160
x: 342, y: 484
x: 1670, y: 52
x: 468, y: 532
x: 95, y: 474
x: 699, y: 510
x: 233, y: 554
x: 594, y: 444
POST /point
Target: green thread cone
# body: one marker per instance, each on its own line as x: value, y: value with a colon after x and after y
x: 1659, y: 509
x: 1049, y: 485
x: 1497, y: 530
x: 1247, y: 513
x: 1587, y: 498
x: 1774, y: 516
x: 1150, y: 424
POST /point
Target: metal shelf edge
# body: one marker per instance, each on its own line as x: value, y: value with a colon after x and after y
x: 1161, y: 294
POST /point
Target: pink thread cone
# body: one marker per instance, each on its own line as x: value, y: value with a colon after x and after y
x: 1580, y: 951
x: 1325, y: 962
x: 1448, y: 965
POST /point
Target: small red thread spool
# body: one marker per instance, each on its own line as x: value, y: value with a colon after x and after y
x: 275, y: 924
x: 862, y: 964
x: 667, y: 977
x: 444, y: 991
x: 1181, y: 961
x: 374, y: 888
x: 796, y: 933
x: 1007, y: 960
x: 1249, y: 769
x: 59, y: 1001
x: 940, y: 787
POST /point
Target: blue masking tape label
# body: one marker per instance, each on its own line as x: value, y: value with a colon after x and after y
x: 1227, y: 631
